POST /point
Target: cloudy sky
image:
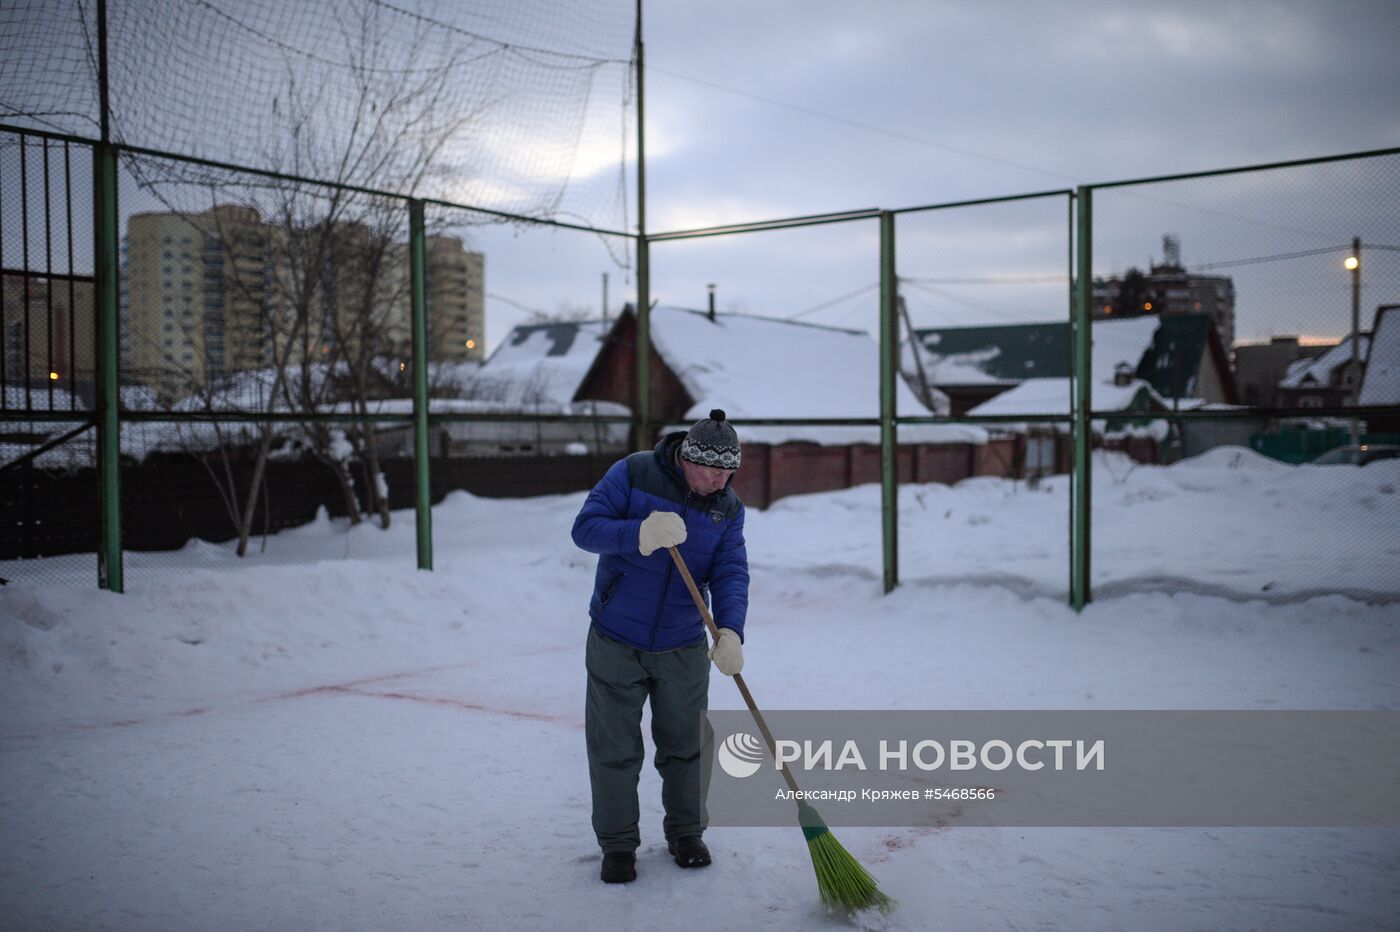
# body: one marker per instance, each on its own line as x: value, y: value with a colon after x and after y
x: 995, y: 98
x: 794, y: 107
x: 777, y: 109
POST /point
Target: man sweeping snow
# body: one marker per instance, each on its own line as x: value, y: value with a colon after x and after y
x: 647, y: 639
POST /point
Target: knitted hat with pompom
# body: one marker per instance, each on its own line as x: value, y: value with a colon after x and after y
x: 711, y: 441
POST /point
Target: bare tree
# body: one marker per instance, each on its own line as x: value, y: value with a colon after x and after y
x: 393, y: 141
x: 369, y: 330
x: 321, y: 274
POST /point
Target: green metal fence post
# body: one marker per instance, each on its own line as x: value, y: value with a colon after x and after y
x: 642, y: 413
x: 889, y: 365
x: 106, y: 263
x: 1081, y: 402
x: 417, y: 272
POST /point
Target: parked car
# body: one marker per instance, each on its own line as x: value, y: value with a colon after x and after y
x: 1358, y: 455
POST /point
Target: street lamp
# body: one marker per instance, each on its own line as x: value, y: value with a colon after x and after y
x: 1353, y: 265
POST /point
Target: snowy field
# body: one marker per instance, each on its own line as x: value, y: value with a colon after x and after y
x: 347, y: 743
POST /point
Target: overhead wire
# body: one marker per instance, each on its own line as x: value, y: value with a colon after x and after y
x: 1255, y: 260
x: 970, y: 153
x: 1007, y: 314
x: 996, y: 280
x: 859, y: 124
x: 834, y: 301
x: 517, y: 305
x: 927, y: 284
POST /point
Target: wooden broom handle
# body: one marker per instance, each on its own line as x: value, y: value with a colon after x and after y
x: 738, y: 678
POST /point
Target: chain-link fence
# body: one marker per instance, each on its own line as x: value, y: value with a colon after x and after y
x: 230, y: 335
x: 277, y: 328
x: 513, y: 427
x: 48, y: 360
x: 267, y: 357
x: 521, y: 106
x: 1239, y: 308
x: 984, y: 293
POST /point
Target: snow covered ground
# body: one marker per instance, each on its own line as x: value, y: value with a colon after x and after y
x: 346, y: 742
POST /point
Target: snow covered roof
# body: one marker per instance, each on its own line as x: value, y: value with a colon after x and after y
x: 1296, y: 367
x: 443, y: 374
x: 765, y: 368
x: 1381, y: 383
x: 539, y: 363
x: 1052, y: 396
x: 139, y: 398
x: 1322, y: 369
x: 247, y: 390
x: 38, y: 396
x: 967, y: 368
x: 760, y: 367
x: 1121, y: 341
x: 1009, y: 353
x: 250, y: 389
x: 1000, y: 355
x: 134, y: 397
x: 455, y: 368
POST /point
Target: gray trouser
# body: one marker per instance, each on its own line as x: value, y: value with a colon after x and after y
x: 620, y: 679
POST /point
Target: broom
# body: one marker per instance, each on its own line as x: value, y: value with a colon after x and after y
x: 842, y: 881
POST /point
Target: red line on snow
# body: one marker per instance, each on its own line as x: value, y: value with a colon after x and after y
x: 353, y: 688
x: 201, y: 710
x: 429, y: 700
x: 349, y: 687
x: 365, y: 681
x: 458, y: 703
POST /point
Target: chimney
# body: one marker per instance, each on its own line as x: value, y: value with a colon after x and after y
x: 1123, y: 373
x: 711, y: 288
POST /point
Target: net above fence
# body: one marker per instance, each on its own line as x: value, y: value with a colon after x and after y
x: 521, y: 107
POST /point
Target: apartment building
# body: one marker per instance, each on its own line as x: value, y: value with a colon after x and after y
x: 195, y: 297
x: 223, y: 291
x: 1167, y: 288
x: 47, y: 337
x: 456, y: 300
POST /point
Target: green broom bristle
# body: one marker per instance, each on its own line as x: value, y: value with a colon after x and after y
x: 843, y: 883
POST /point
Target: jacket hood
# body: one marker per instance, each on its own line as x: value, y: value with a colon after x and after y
x: 665, y: 452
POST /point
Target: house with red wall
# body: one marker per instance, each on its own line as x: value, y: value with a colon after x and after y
x: 760, y: 368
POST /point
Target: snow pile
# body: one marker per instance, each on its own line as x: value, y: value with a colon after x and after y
x: 1229, y: 522
x: 1241, y: 460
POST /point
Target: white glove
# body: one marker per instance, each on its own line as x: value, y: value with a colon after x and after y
x: 728, y: 652
x: 660, y: 529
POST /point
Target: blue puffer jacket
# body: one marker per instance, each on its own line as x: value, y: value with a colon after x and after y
x: 642, y: 601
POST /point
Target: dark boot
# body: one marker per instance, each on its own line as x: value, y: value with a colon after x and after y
x: 619, y: 866
x: 689, y: 851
